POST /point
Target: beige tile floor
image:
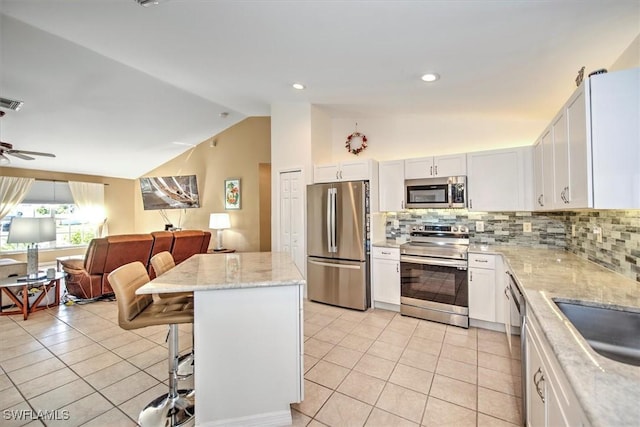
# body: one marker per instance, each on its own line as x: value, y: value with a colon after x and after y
x: 375, y: 368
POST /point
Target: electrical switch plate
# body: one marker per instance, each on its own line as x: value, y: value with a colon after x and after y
x: 480, y: 226
x: 573, y: 230
x: 526, y: 227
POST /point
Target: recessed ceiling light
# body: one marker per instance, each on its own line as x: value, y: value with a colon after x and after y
x: 430, y: 77
x: 298, y: 86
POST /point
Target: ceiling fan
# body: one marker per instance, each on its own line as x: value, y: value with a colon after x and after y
x: 6, y: 148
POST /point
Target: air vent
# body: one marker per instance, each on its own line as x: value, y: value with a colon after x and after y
x: 10, y: 104
x: 147, y: 3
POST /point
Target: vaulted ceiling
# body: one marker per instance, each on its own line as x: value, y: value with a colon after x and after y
x: 116, y: 89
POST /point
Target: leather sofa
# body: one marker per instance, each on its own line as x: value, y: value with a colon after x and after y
x: 88, y: 278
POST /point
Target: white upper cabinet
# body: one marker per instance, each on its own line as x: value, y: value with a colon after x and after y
x: 543, y: 174
x: 345, y: 171
x: 500, y: 180
x: 391, y: 189
x: 432, y: 167
x: 590, y: 153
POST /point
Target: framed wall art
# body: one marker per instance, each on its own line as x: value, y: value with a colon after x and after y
x: 232, y: 194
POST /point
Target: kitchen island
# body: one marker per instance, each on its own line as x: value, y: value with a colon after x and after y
x: 607, y: 390
x: 248, y: 335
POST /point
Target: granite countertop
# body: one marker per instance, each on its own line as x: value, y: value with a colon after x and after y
x: 386, y: 244
x: 210, y: 272
x: 608, y: 391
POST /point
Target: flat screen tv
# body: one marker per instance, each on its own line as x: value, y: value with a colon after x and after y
x: 170, y: 192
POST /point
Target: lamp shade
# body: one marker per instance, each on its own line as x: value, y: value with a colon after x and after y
x: 219, y: 221
x: 32, y: 230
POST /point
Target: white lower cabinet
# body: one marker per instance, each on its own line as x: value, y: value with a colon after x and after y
x: 550, y: 399
x: 486, y: 286
x: 385, y: 278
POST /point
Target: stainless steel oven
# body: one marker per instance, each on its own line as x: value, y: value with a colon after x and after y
x: 433, y: 274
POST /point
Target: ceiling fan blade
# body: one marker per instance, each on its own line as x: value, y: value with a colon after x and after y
x: 18, y: 155
x: 30, y: 153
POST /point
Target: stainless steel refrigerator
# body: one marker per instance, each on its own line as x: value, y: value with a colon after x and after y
x: 338, y: 244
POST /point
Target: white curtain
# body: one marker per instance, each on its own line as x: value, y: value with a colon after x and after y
x: 12, y: 191
x: 89, y: 198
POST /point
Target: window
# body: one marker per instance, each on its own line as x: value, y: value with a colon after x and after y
x: 50, y: 199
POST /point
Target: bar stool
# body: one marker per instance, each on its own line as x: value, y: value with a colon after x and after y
x: 138, y: 311
x: 161, y: 263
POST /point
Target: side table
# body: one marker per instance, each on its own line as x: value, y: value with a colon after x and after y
x: 12, y: 287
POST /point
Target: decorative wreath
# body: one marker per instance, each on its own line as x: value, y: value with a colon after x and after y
x: 359, y: 149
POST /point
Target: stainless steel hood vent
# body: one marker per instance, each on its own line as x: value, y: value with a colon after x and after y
x: 11, y: 104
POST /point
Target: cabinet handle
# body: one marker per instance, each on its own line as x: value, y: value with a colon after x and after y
x: 566, y: 195
x: 540, y: 200
x: 431, y: 171
x: 401, y: 204
x: 436, y: 170
x: 538, y: 381
x: 340, y: 174
x: 397, y: 268
x: 506, y: 292
x: 470, y: 275
x: 481, y: 260
x: 562, y: 196
x: 385, y: 253
x: 337, y: 177
x: 470, y: 203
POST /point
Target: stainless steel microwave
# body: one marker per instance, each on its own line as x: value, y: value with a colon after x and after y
x: 449, y: 192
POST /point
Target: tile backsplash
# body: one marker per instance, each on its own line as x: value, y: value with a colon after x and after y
x: 618, y: 251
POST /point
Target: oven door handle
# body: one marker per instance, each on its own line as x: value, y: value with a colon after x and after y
x: 461, y: 265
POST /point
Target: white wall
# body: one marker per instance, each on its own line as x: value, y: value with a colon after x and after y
x: 405, y: 136
x: 290, y: 150
x: 630, y: 58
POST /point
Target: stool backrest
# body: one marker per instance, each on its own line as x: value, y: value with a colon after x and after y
x: 162, y: 262
x: 125, y: 280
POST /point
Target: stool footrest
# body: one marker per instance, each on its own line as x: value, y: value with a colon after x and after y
x: 167, y: 411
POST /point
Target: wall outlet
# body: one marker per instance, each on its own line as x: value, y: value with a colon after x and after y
x: 526, y: 227
x: 573, y: 230
x: 480, y: 226
x: 598, y: 232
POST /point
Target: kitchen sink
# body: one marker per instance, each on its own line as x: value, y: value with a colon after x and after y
x: 611, y: 332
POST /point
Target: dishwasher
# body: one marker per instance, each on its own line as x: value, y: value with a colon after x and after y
x: 515, y: 325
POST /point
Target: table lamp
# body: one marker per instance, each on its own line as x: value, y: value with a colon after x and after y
x: 32, y: 231
x: 219, y: 222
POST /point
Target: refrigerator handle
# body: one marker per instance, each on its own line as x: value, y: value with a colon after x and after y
x: 329, y: 202
x: 334, y: 238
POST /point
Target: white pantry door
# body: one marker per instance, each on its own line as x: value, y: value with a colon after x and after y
x: 292, y: 216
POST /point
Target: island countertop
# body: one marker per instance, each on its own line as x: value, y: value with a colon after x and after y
x: 607, y: 390
x: 210, y: 272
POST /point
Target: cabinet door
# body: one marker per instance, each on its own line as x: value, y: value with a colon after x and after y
x: 453, y: 165
x: 386, y: 281
x: 555, y: 414
x: 418, y: 168
x: 538, y: 175
x: 326, y: 173
x: 548, y: 174
x: 391, y: 188
x: 497, y: 180
x: 560, y: 160
x: 535, y: 385
x: 482, y: 296
x: 579, y: 184
x: 355, y: 171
